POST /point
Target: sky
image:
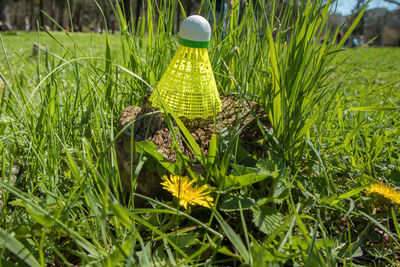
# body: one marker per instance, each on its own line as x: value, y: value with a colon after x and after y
x: 345, y: 7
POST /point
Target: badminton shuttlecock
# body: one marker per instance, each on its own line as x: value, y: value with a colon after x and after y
x: 188, y: 86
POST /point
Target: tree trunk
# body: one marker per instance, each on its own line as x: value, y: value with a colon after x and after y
x: 15, y: 20
x: 53, y: 13
x: 61, y: 11
x: 41, y: 18
x: 138, y: 8
x: 360, y: 27
x: 127, y: 12
x: 4, y: 23
x: 76, y: 20
x: 106, y: 12
x: 32, y: 17
x: 175, y: 28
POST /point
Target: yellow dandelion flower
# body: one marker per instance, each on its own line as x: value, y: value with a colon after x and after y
x: 181, y: 187
x: 386, y: 191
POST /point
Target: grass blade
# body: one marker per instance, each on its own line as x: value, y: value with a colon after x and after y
x: 17, y: 248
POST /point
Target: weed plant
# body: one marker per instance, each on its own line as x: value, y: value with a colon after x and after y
x: 334, y: 131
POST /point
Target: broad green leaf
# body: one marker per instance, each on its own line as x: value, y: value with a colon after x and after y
x: 267, y: 219
x: 268, y: 166
x: 145, y: 255
x: 227, y: 252
x: 185, y: 240
x: 231, y: 203
x: 275, y: 199
x: 150, y: 149
x: 43, y: 219
x: 301, y: 244
x: 242, y: 170
x: 244, y: 180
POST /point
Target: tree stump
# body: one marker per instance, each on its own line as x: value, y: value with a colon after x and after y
x: 150, y: 125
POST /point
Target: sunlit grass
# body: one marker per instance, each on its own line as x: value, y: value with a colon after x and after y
x: 335, y: 130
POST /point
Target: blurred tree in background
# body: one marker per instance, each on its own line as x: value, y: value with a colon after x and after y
x: 99, y: 15
x: 77, y: 15
x: 80, y: 15
x: 4, y: 24
x: 396, y: 2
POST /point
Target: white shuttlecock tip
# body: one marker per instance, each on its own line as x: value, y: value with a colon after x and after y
x: 195, y: 32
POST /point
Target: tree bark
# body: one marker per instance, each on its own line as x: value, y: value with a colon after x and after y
x: 106, y: 11
x: 61, y: 11
x: 360, y: 27
x: 5, y: 25
x: 127, y: 12
x: 138, y: 8
x: 77, y: 16
x: 41, y: 18
x: 175, y: 28
x: 53, y: 14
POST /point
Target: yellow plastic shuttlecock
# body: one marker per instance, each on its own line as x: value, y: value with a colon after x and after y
x: 188, y: 85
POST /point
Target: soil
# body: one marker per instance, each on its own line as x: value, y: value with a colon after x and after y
x: 147, y: 123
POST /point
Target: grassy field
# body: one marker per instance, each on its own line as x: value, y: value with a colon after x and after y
x: 312, y: 201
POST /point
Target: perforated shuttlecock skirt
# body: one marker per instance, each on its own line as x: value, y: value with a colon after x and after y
x: 188, y: 86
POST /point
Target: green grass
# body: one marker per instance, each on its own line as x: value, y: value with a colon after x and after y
x: 334, y: 114
x: 22, y: 42
x: 367, y: 111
